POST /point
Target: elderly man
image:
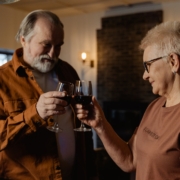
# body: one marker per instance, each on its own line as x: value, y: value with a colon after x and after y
x: 28, y: 150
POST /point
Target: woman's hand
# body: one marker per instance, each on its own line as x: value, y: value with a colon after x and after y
x: 123, y: 154
x: 92, y: 115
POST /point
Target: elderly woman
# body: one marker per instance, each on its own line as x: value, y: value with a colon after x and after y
x: 154, y: 149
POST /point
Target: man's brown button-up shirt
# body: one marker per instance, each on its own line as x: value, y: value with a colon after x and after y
x: 28, y: 151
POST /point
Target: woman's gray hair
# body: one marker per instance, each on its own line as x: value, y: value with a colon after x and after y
x: 27, y: 24
x: 165, y: 36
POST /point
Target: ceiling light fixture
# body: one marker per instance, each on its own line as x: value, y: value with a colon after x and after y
x: 8, y: 1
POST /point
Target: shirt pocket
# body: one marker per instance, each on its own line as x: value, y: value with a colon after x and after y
x: 15, y: 107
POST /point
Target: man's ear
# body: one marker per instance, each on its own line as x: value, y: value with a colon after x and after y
x: 22, y: 40
x: 174, y: 61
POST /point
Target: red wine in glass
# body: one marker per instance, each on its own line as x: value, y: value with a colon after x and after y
x: 83, y: 95
x: 67, y: 98
x: 81, y: 99
x: 63, y: 87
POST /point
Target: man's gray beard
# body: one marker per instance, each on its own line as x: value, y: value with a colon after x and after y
x: 43, y: 67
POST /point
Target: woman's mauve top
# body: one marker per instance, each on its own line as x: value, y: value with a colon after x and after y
x: 158, y: 143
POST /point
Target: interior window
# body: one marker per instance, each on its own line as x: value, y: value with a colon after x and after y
x: 5, y: 56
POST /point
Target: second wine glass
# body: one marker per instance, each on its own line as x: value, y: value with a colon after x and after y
x: 83, y: 95
x: 68, y: 88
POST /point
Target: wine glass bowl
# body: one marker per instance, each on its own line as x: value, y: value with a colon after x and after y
x: 83, y: 95
x: 68, y: 88
x: 81, y: 99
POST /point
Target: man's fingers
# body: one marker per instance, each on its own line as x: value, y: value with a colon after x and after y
x: 54, y: 107
x: 55, y: 101
x: 50, y: 103
x: 53, y: 94
x: 53, y: 97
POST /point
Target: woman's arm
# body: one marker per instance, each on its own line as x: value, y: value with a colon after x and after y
x: 121, y: 152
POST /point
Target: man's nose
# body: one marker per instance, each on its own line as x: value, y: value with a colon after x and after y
x: 51, y: 52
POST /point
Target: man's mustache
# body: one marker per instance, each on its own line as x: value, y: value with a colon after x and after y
x: 45, y: 56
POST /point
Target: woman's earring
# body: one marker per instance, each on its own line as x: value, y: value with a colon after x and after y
x: 174, y: 72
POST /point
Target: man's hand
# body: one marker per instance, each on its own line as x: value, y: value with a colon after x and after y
x: 50, y: 104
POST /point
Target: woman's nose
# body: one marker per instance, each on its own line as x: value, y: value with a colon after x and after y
x: 145, y: 75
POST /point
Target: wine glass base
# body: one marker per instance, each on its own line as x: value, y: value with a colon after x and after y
x: 82, y: 129
x: 54, y: 129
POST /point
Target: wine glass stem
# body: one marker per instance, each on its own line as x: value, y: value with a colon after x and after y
x: 82, y: 126
x: 56, y: 125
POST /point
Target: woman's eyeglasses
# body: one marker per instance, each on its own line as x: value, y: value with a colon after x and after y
x: 147, y: 63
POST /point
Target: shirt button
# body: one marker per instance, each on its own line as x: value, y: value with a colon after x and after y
x: 51, y: 120
x: 38, y: 123
x: 58, y: 167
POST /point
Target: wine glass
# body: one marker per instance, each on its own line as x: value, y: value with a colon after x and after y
x: 69, y: 88
x: 83, y: 95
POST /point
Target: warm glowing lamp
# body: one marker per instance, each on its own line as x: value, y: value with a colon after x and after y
x: 83, y: 57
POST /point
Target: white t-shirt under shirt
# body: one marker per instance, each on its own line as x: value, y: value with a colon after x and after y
x: 65, y: 139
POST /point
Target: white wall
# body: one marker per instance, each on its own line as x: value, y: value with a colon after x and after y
x: 80, y: 35
x: 9, y: 23
x: 171, y: 11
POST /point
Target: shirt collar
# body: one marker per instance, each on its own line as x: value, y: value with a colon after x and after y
x: 18, y: 61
